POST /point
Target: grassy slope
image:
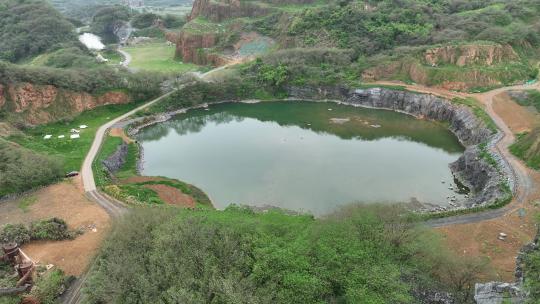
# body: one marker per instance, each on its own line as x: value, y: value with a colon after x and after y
x: 527, y: 146
x: 71, y: 151
x: 157, y: 57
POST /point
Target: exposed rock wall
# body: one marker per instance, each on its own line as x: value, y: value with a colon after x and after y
x: 470, y: 54
x: 483, y: 179
x: 462, y: 81
x: 191, y: 47
x: 114, y: 162
x: 38, y: 104
x: 218, y: 11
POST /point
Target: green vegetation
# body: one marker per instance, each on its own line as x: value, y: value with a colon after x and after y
x: 22, y: 169
x: 136, y: 192
x: 532, y: 274
x: 532, y: 99
x: 157, y: 57
x: 144, y: 20
x: 93, y: 81
x: 527, y: 148
x: 108, y: 19
x: 26, y: 202
x: 370, y: 254
x: 30, y: 27
x: 53, y: 229
x: 49, y: 286
x: 70, y: 151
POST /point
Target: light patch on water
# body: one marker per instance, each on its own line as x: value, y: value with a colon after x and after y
x: 91, y: 41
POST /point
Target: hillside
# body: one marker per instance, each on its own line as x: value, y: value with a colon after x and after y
x: 452, y: 44
x: 31, y: 27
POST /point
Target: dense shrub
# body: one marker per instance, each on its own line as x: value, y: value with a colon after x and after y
x: 22, y: 169
x: 101, y: 79
x: 144, y: 20
x: 30, y: 27
x: 108, y: 19
x: 54, y: 229
x: 49, y: 286
x: 373, y: 254
x: 17, y: 233
x: 71, y: 57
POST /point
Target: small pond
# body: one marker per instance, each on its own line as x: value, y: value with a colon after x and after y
x: 304, y: 156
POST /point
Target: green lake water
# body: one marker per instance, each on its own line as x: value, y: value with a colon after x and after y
x: 304, y: 156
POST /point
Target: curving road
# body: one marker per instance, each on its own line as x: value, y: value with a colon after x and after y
x: 127, y: 58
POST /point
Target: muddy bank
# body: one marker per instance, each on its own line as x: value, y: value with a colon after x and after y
x: 475, y: 168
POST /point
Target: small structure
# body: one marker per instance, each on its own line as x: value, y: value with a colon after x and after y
x: 47, y: 136
x: 23, y: 264
x: 61, y: 136
x: 74, y: 136
x: 83, y: 126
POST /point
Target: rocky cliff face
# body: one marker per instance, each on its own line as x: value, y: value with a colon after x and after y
x: 191, y: 47
x: 464, y: 55
x: 38, y: 104
x: 217, y: 11
x: 483, y: 179
x: 461, y: 80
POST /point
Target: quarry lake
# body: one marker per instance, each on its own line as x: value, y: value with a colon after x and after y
x: 304, y: 156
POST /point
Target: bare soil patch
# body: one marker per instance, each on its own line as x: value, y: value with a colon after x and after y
x: 63, y: 200
x: 173, y: 196
x: 481, y: 240
x: 119, y: 132
x: 519, y: 119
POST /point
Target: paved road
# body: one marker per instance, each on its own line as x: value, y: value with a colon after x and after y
x: 127, y: 58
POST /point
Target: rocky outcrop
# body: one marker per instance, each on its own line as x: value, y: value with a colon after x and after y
x: 38, y: 104
x: 459, y: 80
x: 191, y: 47
x: 220, y: 10
x: 114, y: 162
x: 471, y: 169
x: 479, y: 176
x: 470, y: 54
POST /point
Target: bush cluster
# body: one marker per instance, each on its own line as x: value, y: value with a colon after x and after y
x: 369, y: 254
x: 22, y: 169
x: 30, y: 27
x: 53, y: 229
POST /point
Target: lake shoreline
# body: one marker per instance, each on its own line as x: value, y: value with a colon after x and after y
x: 136, y: 125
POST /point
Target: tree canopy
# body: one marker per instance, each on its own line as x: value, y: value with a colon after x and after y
x: 30, y: 27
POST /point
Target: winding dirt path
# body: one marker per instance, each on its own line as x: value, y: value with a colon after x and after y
x: 524, y: 184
